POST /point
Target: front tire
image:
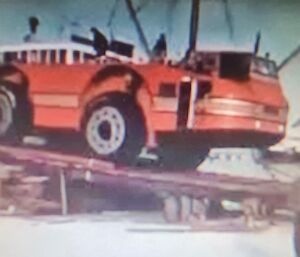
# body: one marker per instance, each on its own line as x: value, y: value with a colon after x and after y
x: 115, y: 130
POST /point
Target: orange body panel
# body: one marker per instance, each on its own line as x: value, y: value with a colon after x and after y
x: 60, y: 94
x: 55, y: 91
x: 164, y: 121
x: 258, y: 89
x: 58, y: 78
x: 48, y: 83
x: 56, y: 117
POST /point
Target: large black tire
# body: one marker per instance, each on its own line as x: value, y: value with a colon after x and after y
x: 115, y: 129
x: 6, y: 116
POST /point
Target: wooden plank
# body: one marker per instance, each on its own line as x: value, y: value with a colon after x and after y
x: 48, y: 156
x: 195, y: 180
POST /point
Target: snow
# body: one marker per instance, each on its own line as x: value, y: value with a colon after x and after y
x: 249, y: 163
x: 123, y: 234
x: 241, y: 162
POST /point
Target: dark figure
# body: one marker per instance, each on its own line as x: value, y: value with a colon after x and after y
x: 33, y: 25
x: 100, y: 42
x: 159, y: 51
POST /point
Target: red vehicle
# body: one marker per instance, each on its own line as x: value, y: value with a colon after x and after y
x: 121, y: 107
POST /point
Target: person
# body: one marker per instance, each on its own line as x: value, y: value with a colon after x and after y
x: 159, y: 51
x: 33, y: 25
x: 100, y: 42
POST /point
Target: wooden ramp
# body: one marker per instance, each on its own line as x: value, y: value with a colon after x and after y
x: 191, y: 184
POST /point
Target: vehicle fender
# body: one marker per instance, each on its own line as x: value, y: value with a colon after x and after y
x: 120, y: 82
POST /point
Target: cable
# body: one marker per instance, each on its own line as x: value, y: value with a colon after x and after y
x: 229, y: 18
x: 111, y: 18
x: 142, y: 6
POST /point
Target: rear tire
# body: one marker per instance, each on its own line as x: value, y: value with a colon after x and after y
x: 115, y: 130
x: 6, y: 116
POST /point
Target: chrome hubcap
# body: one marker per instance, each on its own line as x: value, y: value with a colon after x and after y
x: 106, y: 130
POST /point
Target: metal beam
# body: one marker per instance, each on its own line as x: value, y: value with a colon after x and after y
x: 63, y: 193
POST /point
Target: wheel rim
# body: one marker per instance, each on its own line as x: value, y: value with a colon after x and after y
x: 5, y: 115
x: 106, y: 130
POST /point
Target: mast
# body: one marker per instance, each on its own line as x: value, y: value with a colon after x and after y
x: 194, y: 24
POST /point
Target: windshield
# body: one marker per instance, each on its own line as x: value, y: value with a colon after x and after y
x: 264, y: 66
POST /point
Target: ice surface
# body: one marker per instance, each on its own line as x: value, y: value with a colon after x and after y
x: 123, y: 236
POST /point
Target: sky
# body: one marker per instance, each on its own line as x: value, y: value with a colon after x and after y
x: 277, y: 20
